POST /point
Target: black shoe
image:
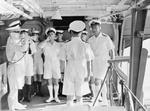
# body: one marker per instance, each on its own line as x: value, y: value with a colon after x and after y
x: 40, y: 94
x: 27, y: 100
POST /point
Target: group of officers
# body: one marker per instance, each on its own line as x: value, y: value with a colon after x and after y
x: 82, y: 59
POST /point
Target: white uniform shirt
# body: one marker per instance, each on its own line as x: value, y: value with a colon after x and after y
x: 29, y: 57
x: 16, y: 71
x: 89, y: 51
x: 101, y: 47
x: 77, y: 54
x: 52, y: 61
x: 76, y: 49
x: 37, y: 60
x: 62, y: 66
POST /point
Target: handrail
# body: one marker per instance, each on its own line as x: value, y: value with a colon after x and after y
x: 121, y: 59
x: 101, y: 86
x: 120, y: 73
x: 122, y: 82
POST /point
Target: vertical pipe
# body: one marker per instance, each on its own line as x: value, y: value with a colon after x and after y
x: 132, y: 47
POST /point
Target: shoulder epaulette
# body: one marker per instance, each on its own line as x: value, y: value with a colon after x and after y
x: 105, y: 35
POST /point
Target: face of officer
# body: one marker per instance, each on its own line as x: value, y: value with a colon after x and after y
x: 51, y: 36
x: 96, y: 29
x: 24, y: 34
x: 15, y: 34
x: 84, y: 37
x: 59, y: 36
x: 35, y: 37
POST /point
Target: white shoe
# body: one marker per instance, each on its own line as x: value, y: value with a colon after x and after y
x: 103, y: 103
x: 79, y: 102
x: 22, y: 105
x: 70, y: 103
x: 92, y: 99
x: 19, y: 107
x: 100, y: 99
x: 49, y: 100
x: 57, y: 100
x: 12, y: 109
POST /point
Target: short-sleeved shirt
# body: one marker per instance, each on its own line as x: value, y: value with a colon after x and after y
x: 52, y: 61
x: 76, y: 49
x: 77, y: 54
x: 101, y: 47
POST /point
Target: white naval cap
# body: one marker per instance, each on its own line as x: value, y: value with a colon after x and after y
x: 77, y: 26
x: 59, y: 31
x: 36, y: 32
x: 94, y: 22
x: 15, y: 26
x: 84, y: 32
x: 50, y: 29
x: 14, y: 23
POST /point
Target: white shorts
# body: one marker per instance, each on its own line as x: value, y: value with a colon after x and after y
x: 38, y: 68
x: 51, y: 72
x: 72, y: 88
x: 100, y: 68
x: 29, y: 65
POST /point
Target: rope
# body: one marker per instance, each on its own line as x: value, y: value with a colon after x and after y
x: 18, y: 59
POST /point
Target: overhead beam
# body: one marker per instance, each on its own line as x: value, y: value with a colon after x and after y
x: 141, y: 75
x: 93, y: 13
x: 13, y: 9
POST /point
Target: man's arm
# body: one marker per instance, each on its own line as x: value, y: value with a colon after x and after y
x: 88, y: 71
x: 112, y: 54
x: 90, y: 57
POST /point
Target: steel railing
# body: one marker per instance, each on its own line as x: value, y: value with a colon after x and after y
x: 99, y: 92
x: 123, y: 84
x: 122, y: 79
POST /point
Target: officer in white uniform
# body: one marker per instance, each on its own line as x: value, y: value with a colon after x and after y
x: 103, y: 49
x: 51, y: 51
x: 61, y: 42
x: 28, y: 64
x: 76, y: 54
x: 15, y: 51
x: 37, y: 64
